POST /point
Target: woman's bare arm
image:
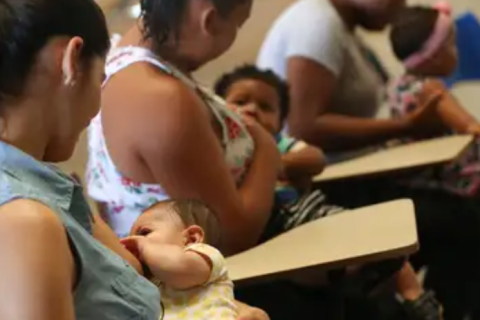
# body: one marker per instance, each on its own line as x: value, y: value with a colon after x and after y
x: 37, y: 270
x: 257, y: 189
x: 185, y: 156
x: 311, y: 87
x: 103, y: 233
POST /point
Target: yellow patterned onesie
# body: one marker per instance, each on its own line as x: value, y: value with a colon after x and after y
x: 212, y: 301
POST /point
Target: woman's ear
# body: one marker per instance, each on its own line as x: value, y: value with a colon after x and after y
x: 209, y: 22
x: 194, y: 234
x: 71, y: 60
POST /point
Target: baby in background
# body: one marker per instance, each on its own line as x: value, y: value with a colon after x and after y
x: 175, y: 240
x: 263, y: 97
x: 423, y: 39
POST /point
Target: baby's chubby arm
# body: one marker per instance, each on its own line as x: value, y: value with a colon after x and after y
x: 171, y: 264
x: 451, y: 112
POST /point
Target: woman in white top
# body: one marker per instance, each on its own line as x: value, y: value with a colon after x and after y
x: 314, y: 45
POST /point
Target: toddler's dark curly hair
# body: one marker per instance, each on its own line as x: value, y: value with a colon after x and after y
x: 251, y: 72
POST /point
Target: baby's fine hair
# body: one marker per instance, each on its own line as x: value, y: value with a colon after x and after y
x: 411, y: 29
x: 194, y: 212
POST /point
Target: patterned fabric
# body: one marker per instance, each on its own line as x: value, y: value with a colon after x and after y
x: 212, y: 301
x: 284, y: 192
x: 108, y: 288
x: 124, y: 198
x: 462, y: 176
x: 293, y: 208
x: 307, y: 207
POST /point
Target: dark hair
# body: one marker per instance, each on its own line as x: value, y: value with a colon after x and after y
x: 161, y: 19
x: 194, y: 212
x: 411, y: 29
x: 27, y: 25
x: 252, y: 72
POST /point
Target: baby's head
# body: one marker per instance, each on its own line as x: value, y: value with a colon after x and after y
x: 179, y: 222
x: 423, y: 38
x: 260, y: 94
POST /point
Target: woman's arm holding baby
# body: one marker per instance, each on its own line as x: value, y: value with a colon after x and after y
x: 103, y: 233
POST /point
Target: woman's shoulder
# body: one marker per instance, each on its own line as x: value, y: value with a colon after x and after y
x: 159, y: 105
x: 31, y: 213
x: 121, y: 291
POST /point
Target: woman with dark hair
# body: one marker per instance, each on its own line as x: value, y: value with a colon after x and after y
x: 161, y: 135
x: 51, y: 68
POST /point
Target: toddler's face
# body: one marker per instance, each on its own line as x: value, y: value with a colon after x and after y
x: 258, y: 100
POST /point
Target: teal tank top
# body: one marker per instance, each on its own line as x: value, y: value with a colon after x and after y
x: 108, y: 288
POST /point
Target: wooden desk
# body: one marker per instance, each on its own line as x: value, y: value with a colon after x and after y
x: 399, y: 158
x: 367, y: 234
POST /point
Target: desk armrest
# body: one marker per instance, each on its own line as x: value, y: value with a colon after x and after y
x: 399, y: 158
x: 358, y: 236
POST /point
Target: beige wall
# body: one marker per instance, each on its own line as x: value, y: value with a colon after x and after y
x: 250, y: 38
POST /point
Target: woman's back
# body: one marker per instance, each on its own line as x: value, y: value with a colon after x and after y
x: 124, y: 197
x: 167, y: 136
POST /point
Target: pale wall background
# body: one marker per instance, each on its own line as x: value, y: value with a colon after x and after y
x: 246, y: 47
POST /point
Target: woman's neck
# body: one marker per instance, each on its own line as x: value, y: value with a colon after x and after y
x: 134, y: 37
x: 346, y: 13
x: 24, y: 127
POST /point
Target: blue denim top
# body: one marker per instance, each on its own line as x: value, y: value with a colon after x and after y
x: 108, y: 288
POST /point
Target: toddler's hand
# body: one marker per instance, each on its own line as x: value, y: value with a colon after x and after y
x: 247, y: 118
x: 424, y: 120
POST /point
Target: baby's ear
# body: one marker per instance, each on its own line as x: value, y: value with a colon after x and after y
x: 194, y: 234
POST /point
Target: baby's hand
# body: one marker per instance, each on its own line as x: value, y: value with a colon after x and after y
x: 474, y: 129
x: 251, y: 313
x: 134, y: 244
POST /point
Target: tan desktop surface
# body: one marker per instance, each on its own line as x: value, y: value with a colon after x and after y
x: 371, y: 233
x: 399, y: 158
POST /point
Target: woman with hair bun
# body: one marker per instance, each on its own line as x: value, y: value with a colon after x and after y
x: 161, y: 135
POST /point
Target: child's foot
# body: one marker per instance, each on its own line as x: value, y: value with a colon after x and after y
x: 425, y: 307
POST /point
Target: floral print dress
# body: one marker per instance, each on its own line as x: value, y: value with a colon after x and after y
x: 124, y: 198
x: 461, y: 176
